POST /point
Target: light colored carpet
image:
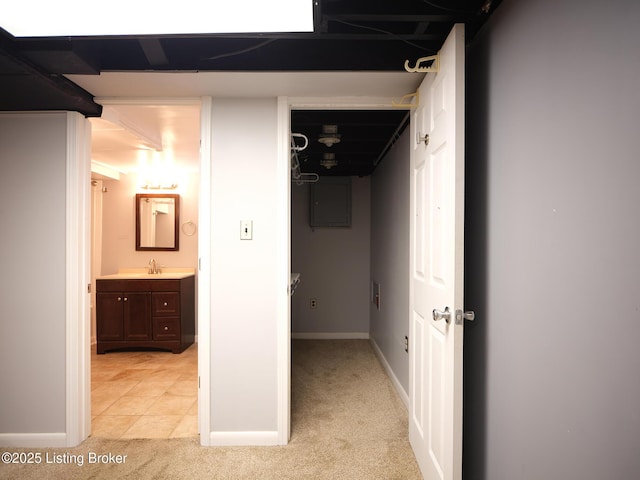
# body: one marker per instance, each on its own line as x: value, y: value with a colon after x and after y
x: 347, y: 423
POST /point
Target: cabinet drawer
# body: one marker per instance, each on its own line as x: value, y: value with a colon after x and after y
x: 165, y: 303
x: 166, y: 328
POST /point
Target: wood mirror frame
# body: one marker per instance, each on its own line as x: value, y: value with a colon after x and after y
x: 157, y: 228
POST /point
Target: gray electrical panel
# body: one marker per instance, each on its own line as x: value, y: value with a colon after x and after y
x: 330, y: 202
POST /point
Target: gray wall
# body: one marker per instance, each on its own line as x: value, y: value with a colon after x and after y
x: 244, y: 290
x: 390, y: 257
x: 334, y: 266
x: 32, y: 324
x: 553, y: 235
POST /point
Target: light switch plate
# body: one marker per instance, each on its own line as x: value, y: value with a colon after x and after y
x: 246, y: 229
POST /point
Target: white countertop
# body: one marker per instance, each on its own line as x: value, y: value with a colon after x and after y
x: 170, y: 273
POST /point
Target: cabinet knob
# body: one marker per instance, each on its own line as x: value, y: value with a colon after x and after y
x: 119, y: 299
x: 165, y: 304
x: 166, y: 328
x: 125, y: 299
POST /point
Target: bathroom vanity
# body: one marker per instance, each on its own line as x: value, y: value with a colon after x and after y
x: 155, y: 311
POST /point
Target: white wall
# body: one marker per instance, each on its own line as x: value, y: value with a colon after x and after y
x: 244, y: 286
x: 390, y: 257
x: 32, y: 330
x: 553, y: 230
x: 334, y: 267
x: 119, y: 226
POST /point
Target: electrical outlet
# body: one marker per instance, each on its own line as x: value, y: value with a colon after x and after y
x: 313, y: 303
x: 406, y: 344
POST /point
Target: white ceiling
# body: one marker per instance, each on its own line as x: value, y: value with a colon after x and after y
x: 128, y: 137
x: 145, y: 111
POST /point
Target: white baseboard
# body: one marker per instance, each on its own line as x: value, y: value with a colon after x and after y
x: 33, y: 440
x: 330, y: 335
x: 394, y: 380
x: 243, y: 439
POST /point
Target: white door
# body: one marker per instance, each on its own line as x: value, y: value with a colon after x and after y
x: 437, y: 228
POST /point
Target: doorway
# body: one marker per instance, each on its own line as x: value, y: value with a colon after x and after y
x: 143, y: 394
x: 334, y: 253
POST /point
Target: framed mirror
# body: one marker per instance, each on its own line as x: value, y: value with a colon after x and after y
x: 157, y: 220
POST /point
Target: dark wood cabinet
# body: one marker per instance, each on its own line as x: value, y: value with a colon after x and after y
x: 145, y: 313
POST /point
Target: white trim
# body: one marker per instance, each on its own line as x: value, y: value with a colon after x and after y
x: 394, y: 380
x: 283, y: 174
x: 224, y: 439
x: 330, y: 335
x: 343, y: 103
x: 78, y: 251
x: 149, y: 101
x: 105, y: 170
x: 95, y: 239
x: 204, y: 276
x: 34, y: 440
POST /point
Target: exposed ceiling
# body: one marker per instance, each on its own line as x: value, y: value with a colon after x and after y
x: 349, y: 36
x: 364, y: 137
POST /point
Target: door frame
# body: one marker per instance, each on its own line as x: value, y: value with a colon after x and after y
x: 204, y: 275
x: 313, y: 103
x: 283, y: 312
x: 78, y: 253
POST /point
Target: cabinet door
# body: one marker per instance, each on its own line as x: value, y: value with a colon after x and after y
x: 137, y: 316
x: 109, y: 324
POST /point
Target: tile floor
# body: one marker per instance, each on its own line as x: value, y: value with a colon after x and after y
x: 145, y: 394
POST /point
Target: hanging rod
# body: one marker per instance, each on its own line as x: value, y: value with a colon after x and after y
x: 394, y: 138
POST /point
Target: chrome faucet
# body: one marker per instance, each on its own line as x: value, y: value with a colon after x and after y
x: 153, y: 267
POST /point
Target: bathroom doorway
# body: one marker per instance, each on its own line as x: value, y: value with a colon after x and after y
x: 143, y: 147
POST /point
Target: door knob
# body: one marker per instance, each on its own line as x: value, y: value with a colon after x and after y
x: 438, y: 315
x: 462, y: 316
x: 422, y: 138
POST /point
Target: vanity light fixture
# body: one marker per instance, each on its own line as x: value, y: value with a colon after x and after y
x: 147, y: 186
x: 329, y: 135
x: 159, y: 175
x: 329, y: 160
